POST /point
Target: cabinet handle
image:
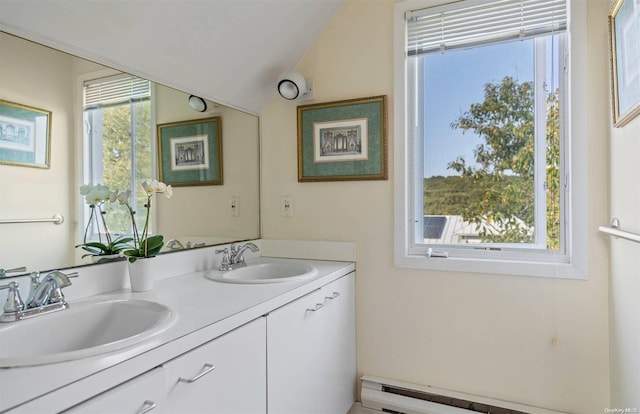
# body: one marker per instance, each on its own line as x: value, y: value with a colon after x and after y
x: 207, y: 368
x: 332, y: 297
x: 147, y: 406
x: 318, y: 306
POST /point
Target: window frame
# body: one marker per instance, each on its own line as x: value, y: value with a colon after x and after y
x: 573, y: 264
x: 86, y: 159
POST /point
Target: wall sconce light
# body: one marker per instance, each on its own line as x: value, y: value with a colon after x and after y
x: 294, y: 87
x: 197, y: 103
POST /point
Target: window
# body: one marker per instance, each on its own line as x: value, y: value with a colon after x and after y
x: 118, y: 140
x: 485, y: 165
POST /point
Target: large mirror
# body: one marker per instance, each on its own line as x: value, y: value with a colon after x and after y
x: 39, y: 77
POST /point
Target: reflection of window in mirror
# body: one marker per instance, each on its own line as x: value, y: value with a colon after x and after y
x: 118, y: 143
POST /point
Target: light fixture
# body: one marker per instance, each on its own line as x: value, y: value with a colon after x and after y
x: 293, y: 86
x: 197, y: 103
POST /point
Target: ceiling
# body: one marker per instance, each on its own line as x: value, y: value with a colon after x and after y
x: 230, y: 51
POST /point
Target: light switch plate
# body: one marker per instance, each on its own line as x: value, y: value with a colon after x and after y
x: 286, y: 206
x: 235, y: 206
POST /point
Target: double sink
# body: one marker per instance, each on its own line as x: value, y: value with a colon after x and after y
x: 91, y: 328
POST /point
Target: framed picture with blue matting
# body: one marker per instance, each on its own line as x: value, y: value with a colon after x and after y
x: 24, y: 135
x: 343, y: 140
x: 190, y: 152
x: 624, y: 45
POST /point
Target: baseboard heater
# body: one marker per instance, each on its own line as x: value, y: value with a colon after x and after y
x: 397, y: 397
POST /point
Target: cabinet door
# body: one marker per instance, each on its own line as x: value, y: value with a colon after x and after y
x: 311, y: 352
x: 143, y: 394
x: 340, y: 345
x: 226, y: 375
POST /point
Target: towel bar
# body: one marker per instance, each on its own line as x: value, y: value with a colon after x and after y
x: 614, y: 230
x: 57, y: 219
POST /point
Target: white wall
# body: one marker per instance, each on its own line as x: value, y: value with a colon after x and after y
x: 38, y: 77
x: 481, y: 334
x: 624, y: 302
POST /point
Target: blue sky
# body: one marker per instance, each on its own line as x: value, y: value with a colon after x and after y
x: 449, y: 93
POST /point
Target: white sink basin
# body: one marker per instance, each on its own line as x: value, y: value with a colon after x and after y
x: 85, y: 329
x: 265, y: 272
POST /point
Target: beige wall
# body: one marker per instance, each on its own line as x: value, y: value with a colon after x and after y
x: 482, y: 334
x: 205, y: 211
x: 39, y: 77
x: 624, y: 305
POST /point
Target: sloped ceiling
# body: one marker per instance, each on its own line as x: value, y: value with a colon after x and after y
x: 230, y: 51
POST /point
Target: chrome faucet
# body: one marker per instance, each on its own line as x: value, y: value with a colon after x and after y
x: 49, y: 290
x: 232, y: 257
x: 174, y: 244
x: 44, y: 297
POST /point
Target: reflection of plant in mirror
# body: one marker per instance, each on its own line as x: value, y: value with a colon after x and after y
x: 144, y: 245
x: 95, y: 197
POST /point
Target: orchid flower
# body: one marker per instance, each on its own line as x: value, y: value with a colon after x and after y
x: 143, y: 244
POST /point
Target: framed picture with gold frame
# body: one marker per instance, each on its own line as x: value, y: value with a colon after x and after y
x: 624, y: 38
x: 25, y: 135
x: 190, y: 152
x: 343, y: 140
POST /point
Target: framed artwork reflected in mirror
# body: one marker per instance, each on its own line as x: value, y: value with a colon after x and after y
x: 190, y: 152
x: 25, y: 135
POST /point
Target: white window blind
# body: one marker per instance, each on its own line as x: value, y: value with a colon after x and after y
x: 115, y: 90
x: 471, y: 22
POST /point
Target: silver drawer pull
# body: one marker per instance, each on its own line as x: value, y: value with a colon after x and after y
x: 318, y: 306
x: 205, y: 370
x: 332, y: 297
x: 147, y: 406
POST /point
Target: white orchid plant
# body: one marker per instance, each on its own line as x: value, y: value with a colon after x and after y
x: 141, y: 244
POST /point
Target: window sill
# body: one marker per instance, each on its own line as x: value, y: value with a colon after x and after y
x: 501, y: 267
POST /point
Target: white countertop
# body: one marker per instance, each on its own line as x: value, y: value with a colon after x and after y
x: 205, y: 310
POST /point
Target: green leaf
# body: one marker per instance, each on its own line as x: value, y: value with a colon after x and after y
x: 94, y: 248
x: 152, y: 244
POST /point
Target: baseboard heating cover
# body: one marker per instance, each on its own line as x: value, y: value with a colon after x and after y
x: 397, y: 397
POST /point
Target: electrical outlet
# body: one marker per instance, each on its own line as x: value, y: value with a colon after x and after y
x: 286, y: 206
x: 235, y: 206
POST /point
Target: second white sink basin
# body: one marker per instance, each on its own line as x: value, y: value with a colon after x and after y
x: 85, y: 329
x: 263, y: 271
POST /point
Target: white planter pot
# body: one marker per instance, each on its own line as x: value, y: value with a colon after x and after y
x: 141, y: 275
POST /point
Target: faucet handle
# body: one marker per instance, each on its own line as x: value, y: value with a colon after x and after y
x: 14, y: 301
x: 3, y: 272
x: 224, y: 263
x: 70, y: 275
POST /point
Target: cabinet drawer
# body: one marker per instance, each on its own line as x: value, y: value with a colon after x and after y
x: 226, y: 375
x: 143, y: 394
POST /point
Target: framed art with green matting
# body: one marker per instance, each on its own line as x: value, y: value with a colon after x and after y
x: 190, y: 152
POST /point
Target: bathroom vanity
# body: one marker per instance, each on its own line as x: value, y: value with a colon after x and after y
x: 280, y: 347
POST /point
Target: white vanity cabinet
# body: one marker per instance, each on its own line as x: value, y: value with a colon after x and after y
x: 222, y: 356
x: 143, y: 394
x: 227, y: 375
x: 311, y: 351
